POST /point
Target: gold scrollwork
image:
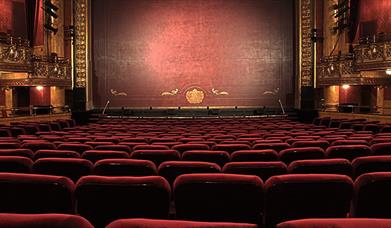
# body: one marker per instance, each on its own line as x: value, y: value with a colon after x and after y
x: 219, y: 93
x: 170, y: 93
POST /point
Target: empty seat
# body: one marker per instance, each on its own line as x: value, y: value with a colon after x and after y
x: 102, y: 200
x: 151, y: 147
x: 78, y: 147
x: 219, y: 197
x: 95, y: 144
x: 96, y: 155
x: 73, y: 168
x: 349, y: 152
x: 17, y: 152
x: 33, y: 193
x: 156, y: 156
x: 124, y: 167
x: 381, y: 148
x: 15, y: 164
x: 172, y: 169
x: 190, y: 146
x: 158, y: 223
x: 349, y: 142
x: 318, y: 143
x: 34, y: 146
x: 264, y: 170
x: 56, y: 154
x: 273, y: 146
x: 43, y: 220
x: 325, y: 166
x: 230, y: 148
x: 372, y: 197
x: 254, y: 155
x: 297, y: 196
x: 218, y: 157
x: 9, y: 145
x: 114, y: 147
x: 371, y: 164
x: 304, y: 153
x: 337, y: 223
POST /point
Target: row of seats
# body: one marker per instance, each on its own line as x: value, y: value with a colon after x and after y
x: 200, y: 197
x: 66, y: 221
x: 74, y: 168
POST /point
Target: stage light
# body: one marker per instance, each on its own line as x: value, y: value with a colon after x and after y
x: 388, y: 72
x: 39, y: 88
x: 345, y: 86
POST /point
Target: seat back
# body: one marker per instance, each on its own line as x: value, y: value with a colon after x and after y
x: 102, y: 200
x: 124, y: 167
x: 325, y: 166
x: 297, y: 196
x: 43, y: 220
x: 254, y: 155
x: 219, y: 197
x: 371, y: 164
x: 73, y: 168
x: 33, y: 193
x: 264, y: 170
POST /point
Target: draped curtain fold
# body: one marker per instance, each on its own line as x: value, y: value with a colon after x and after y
x: 32, y: 16
x: 354, y: 21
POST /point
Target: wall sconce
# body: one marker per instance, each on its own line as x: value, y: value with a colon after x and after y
x: 388, y: 71
x: 39, y: 88
x: 345, y: 86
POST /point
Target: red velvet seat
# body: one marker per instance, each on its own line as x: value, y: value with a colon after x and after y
x: 56, y: 154
x: 156, y: 156
x: 80, y: 148
x: 305, y: 153
x: 349, y: 152
x: 170, y: 170
x: 9, y: 145
x: 372, y: 198
x: 322, y: 166
x: 318, y: 143
x: 124, y: 167
x: 107, y: 139
x: 102, y: 200
x: 337, y: 223
x: 218, y: 157
x: 273, y: 146
x: 381, y: 148
x: 150, y: 147
x: 371, y: 164
x: 15, y: 164
x: 32, y: 193
x: 349, y: 142
x: 96, y: 155
x: 298, y: 196
x: 73, y: 168
x: 114, y: 147
x: 17, y: 152
x: 219, y: 197
x: 95, y: 144
x: 157, y: 223
x: 230, y: 148
x: 190, y: 146
x: 264, y: 170
x: 254, y: 155
x: 43, y: 220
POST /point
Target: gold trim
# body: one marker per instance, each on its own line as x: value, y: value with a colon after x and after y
x: 306, y: 43
x: 81, y: 42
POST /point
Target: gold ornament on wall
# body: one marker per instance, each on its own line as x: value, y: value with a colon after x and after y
x: 195, y: 96
x: 170, y: 93
x: 219, y: 93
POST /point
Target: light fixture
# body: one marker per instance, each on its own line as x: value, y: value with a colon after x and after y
x: 39, y: 88
x: 345, y: 86
x: 388, y: 71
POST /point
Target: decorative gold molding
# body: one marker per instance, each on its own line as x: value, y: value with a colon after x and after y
x: 305, y: 43
x: 195, y: 96
x: 81, y: 42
